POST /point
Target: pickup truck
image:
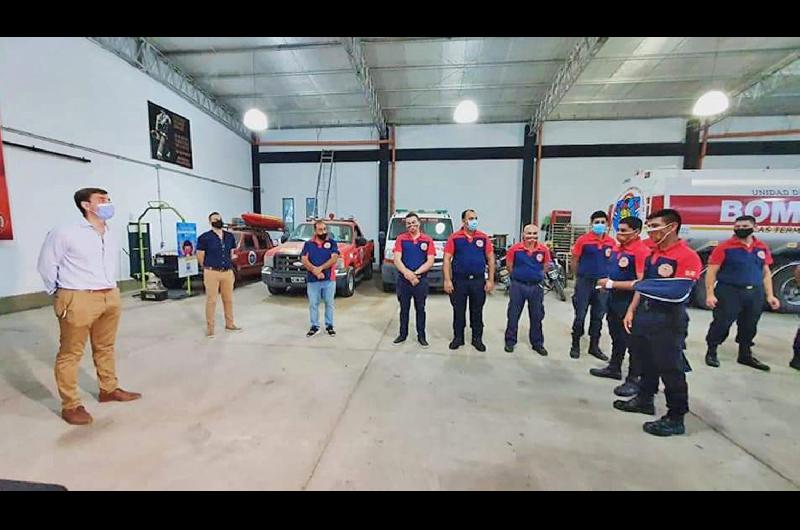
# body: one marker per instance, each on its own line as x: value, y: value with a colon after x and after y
x: 251, y: 245
x: 284, y: 271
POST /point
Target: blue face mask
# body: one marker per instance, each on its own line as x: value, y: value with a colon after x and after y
x: 472, y: 224
x: 599, y: 229
x: 105, y: 211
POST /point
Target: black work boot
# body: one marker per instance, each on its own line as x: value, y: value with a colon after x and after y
x: 594, y: 349
x: 478, y: 344
x: 746, y: 358
x: 627, y: 389
x: 575, y: 350
x: 711, y: 357
x: 665, y: 426
x: 610, y: 372
x: 641, y: 404
x: 795, y: 362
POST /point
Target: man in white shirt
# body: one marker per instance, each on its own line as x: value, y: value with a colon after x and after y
x: 78, y: 263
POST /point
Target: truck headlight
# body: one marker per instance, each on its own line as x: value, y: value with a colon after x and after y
x: 389, y: 253
x: 269, y: 261
x: 340, y: 264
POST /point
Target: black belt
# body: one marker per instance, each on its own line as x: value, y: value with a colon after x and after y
x: 469, y: 276
x: 218, y: 269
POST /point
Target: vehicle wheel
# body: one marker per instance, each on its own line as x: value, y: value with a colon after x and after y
x: 349, y: 284
x: 787, y: 290
x: 368, y: 272
x: 389, y: 287
x: 274, y: 290
x: 699, y: 293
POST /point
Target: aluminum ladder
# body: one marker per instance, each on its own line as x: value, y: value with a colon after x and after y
x: 324, y: 177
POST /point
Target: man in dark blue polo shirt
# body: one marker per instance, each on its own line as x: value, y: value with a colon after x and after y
x: 627, y: 265
x: 527, y: 262
x: 414, y: 254
x: 590, y: 258
x: 658, y: 322
x: 466, y: 254
x: 737, y: 280
x: 215, y: 254
x: 320, y: 254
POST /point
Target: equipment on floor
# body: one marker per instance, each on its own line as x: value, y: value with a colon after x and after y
x: 150, y: 290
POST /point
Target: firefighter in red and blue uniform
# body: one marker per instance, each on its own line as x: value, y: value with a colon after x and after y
x: 657, y: 321
x: 590, y: 256
x: 466, y: 256
x: 737, y: 279
x: 628, y: 261
x: 528, y: 262
x: 414, y: 254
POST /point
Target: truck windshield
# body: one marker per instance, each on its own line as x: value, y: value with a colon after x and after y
x: 439, y: 229
x: 339, y: 232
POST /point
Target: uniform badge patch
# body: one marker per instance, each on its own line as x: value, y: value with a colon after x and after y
x: 623, y: 262
x: 479, y: 243
x: 608, y: 252
x: 665, y: 270
x: 761, y: 254
x: 423, y: 246
x: 539, y: 258
x: 327, y: 244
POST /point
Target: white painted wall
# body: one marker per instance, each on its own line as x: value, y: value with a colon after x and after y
x: 354, y: 191
x: 584, y: 185
x: 72, y: 90
x: 755, y: 123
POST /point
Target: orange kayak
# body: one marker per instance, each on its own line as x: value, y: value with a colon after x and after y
x: 268, y: 222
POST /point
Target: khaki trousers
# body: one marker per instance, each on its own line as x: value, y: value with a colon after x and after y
x: 218, y: 283
x: 86, y: 315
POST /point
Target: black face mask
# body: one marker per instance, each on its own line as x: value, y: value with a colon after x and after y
x: 323, y: 235
x: 743, y: 233
x: 216, y: 224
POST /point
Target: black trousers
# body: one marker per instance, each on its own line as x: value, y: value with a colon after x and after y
x: 585, y: 296
x: 533, y: 294
x: 736, y: 304
x: 405, y: 293
x: 620, y: 342
x: 658, y: 337
x: 471, y: 291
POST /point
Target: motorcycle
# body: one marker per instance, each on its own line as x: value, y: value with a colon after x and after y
x: 554, y: 280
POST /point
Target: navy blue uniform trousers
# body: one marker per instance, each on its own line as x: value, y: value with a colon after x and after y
x: 585, y: 296
x: 519, y: 294
x: 405, y: 293
x: 736, y: 304
x: 465, y: 290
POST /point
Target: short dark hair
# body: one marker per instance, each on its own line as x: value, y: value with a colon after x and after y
x: 187, y: 243
x: 319, y: 222
x: 669, y: 215
x: 465, y: 212
x: 746, y: 218
x: 599, y: 214
x: 85, y: 194
x: 412, y: 214
x: 634, y: 222
x: 213, y: 214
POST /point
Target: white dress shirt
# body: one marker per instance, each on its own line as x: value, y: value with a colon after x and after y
x: 78, y: 257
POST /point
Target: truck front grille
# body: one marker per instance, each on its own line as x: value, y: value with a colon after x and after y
x: 285, y: 263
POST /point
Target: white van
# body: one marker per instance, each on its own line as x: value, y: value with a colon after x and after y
x: 435, y: 223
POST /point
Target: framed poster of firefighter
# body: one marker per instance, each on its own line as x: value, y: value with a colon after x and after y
x: 170, y: 136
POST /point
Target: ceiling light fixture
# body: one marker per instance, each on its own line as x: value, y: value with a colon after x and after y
x: 466, y: 112
x: 711, y: 103
x: 255, y: 120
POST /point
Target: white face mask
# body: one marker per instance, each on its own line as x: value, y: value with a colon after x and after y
x: 657, y: 231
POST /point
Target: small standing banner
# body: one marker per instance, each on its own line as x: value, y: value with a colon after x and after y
x: 187, y: 249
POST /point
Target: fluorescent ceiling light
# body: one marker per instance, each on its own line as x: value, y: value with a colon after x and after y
x: 466, y: 112
x: 255, y: 120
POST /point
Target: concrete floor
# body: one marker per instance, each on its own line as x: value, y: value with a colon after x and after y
x: 266, y: 408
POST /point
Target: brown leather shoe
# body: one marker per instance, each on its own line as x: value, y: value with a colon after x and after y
x: 233, y: 328
x: 118, y: 395
x: 76, y: 416
x: 209, y: 333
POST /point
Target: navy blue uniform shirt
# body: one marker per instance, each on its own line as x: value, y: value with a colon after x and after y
x: 318, y: 253
x: 218, y: 251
